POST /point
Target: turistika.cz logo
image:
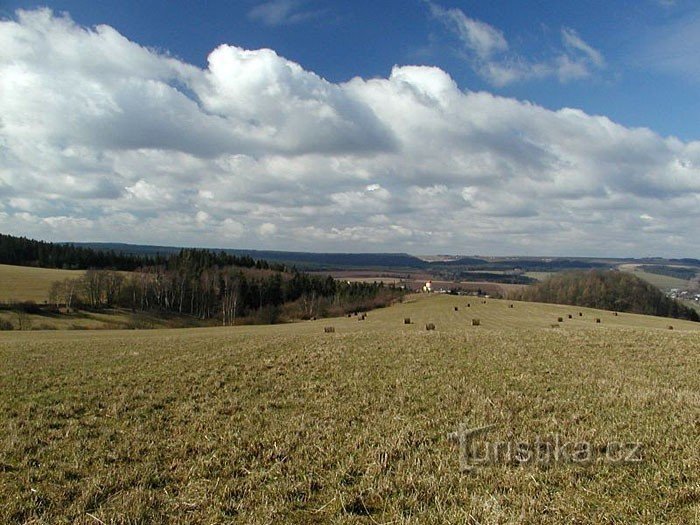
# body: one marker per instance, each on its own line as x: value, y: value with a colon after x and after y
x: 475, y: 450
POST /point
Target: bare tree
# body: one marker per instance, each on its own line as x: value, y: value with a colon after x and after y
x: 23, y: 320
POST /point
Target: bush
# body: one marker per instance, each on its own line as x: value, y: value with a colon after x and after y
x: 6, y: 325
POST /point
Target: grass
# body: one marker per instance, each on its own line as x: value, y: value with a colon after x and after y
x: 540, y: 276
x: 106, y: 319
x: 664, y: 282
x: 23, y: 283
x: 288, y: 424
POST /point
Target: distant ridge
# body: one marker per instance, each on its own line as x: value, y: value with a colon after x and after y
x: 303, y: 260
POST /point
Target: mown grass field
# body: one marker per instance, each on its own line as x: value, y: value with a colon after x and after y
x: 664, y: 282
x: 288, y: 424
x: 23, y: 283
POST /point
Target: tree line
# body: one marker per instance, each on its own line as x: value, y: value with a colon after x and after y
x: 21, y: 251
x: 210, y: 285
x: 224, y: 293
x: 607, y: 290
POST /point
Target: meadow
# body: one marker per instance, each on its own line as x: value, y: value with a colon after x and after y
x: 288, y: 424
x: 24, y: 283
x: 664, y: 282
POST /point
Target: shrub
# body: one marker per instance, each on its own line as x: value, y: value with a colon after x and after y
x: 6, y: 325
x: 476, y: 322
x: 430, y: 326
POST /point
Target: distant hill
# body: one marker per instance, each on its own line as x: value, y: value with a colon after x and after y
x: 607, y: 290
x: 305, y: 260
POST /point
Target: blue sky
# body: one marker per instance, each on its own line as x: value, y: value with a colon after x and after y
x: 494, y: 128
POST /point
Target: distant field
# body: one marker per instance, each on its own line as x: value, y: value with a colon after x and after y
x: 23, y: 283
x: 540, y: 276
x: 288, y: 424
x: 663, y: 282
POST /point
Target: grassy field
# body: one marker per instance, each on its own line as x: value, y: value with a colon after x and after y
x: 540, y: 276
x: 288, y: 424
x: 22, y: 283
x: 664, y: 282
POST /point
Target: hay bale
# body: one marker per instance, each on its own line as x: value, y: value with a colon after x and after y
x: 407, y: 320
x: 456, y: 308
x: 329, y: 329
x: 476, y: 322
x: 430, y: 326
x: 560, y: 319
x: 670, y: 327
x: 469, y: 305
x: 597, y: 319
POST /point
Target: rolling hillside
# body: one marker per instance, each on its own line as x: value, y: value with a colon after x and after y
x: 288, y: 424
x: 23, y: 283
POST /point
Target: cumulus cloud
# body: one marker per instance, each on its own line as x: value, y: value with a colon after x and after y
x: 103, y: 139
x: 488, y: 51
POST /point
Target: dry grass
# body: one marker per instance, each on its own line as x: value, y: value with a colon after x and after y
x: 22, y: 283
x: 283, y: 424
x: 664, y: 282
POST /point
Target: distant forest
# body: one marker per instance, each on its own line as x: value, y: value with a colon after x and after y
x: 200, y: 283
x: 679, y: 272
x: 607, y: 290
x: 21, y: 251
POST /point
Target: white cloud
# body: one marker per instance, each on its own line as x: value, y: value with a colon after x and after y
x: 488, y: 51
x: 103, y: 139
x: 281, y: 12
x: 574, y: 42
x: 480, y: 37
x: 267, y: 228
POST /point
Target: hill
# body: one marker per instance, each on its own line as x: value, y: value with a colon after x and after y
x: 305, y: 260
x: 288, y: 424
x: 607, y: 290
x: 22, y: 283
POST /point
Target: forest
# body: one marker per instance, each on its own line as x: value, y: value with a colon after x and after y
x: 201, y: 283
x: 607, y: 290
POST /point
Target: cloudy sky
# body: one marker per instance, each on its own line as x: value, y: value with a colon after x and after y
x: 568, y: 128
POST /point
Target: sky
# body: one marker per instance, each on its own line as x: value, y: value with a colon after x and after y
x: 463, y: 127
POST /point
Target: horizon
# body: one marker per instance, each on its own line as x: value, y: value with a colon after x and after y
x: 320, y: 127
x: 416, y: 255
